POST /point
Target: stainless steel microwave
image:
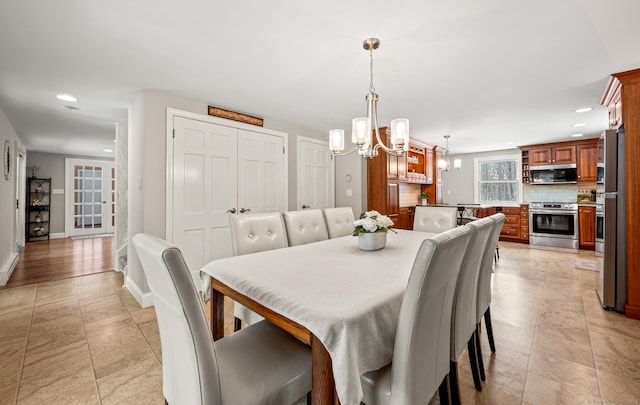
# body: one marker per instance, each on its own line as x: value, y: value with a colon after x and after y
x: 554, y: 174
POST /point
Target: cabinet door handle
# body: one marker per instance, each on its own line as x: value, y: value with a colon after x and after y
x: 231, y: 210
x: 243, y: 210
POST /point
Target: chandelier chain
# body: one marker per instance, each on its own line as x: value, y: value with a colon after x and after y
x: 372, y: 89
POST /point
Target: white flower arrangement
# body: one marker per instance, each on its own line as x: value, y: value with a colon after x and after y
x: 372, y: 222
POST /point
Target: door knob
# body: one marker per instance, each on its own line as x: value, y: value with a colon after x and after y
x: 243, y: 210
x: 305, y: 206
x: 231, y: 210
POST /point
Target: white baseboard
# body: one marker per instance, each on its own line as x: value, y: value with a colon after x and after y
x: 144, y: 299
x: 7, y: 269
x: 58, y: 235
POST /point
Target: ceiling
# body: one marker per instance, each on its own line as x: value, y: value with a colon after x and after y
x: 486, y: 72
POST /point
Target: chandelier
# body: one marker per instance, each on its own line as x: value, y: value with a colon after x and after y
x: 363, y: 127
x: 444, y: 163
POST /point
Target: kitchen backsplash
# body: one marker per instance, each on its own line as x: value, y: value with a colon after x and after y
x: 556, y: 192
x: 409, y: 194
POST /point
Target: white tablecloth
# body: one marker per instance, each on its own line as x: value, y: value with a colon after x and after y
x: 348, y: 298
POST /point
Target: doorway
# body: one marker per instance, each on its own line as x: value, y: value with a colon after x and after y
x: 90, y: 197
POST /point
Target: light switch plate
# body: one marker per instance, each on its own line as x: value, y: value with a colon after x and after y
x: 349, y: 192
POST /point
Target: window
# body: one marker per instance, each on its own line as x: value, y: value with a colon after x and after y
x: 497, y: 180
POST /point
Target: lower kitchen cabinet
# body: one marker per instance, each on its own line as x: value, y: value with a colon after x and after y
x: 405, y: 218
x: 587, y: 227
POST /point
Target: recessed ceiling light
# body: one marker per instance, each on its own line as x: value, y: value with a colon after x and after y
x: 67, y: 97
x: 577, y: 135
x: 108, y: 150
x: 114, y: 141
x: 510, y: 143
x: 581, y: 110
x: 69, y: 108
x: 582, y: 124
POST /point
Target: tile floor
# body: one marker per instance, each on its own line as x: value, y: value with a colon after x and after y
x: 86, y: 340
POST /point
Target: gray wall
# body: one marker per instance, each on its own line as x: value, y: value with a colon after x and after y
x: 147, y: 166
x: 355, y: 167
x: 458, y: 184
x: 8, y: 237
x: 52, y: 165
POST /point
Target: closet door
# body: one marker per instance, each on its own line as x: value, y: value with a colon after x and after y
x: 220, y: 170
x: 204, y: 189
x: 260, y: 172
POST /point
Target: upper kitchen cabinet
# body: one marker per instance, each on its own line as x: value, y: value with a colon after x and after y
x: 613, y: 100
x: 548, y: 155
x: 387, y: 173
x: 418, y: 158
x: 588, y: 161
x: 582, y: 153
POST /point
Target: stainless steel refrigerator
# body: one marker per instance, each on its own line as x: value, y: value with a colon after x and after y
x: 611, y: 281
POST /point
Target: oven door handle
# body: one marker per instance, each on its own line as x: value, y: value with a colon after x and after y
x: 552, y: 212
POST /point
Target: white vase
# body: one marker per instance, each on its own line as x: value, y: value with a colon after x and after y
x: 372, y: 241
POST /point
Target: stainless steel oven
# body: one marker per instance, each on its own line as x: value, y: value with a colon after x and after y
x: 599, y: 230
x: 554, y: 224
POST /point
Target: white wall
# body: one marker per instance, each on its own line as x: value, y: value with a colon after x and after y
x: 8, y: 238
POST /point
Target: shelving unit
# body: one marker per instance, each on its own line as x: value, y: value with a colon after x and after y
x: 525, y: 167
x: 38, y: 208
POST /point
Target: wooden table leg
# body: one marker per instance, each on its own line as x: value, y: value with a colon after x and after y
x: 323, y: 388
x: 217, y: 314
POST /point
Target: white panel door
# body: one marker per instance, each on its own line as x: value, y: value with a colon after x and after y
x: 204, y: 188
x: 315, y: 174
x: 260, y: 172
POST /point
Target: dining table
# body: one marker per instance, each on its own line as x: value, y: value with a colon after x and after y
x: 342, y: 301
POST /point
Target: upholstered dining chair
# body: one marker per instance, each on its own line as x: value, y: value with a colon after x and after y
x: 463, y: 319
x: 339, y: 221
x: 259, y: 365
x: 435, y: 219
x: 484, y: 289
x: 305, y: 226
x: 252, y: 233
x: 421, y: 350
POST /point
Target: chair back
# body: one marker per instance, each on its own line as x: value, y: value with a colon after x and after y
x: 422, y: 347
x: 484, y: 278
x: 305, y: 226
x: 189, y: 366
x: 463, y: 323
x: 252, y: 233
x: 435, y: 219
x: 339, y: 221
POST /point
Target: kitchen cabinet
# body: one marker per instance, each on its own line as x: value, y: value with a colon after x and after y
x: 418, y: 158
x: 428, y: 169
x: 526, y: 174
x: 439, y: 186
x: 587, y: 227
x: 585, y: 154
x: 587, y: 166
x: 524, y: 223
x: 386, y: 172
x: 511, y: 228
x: 561, y: 154
x: 613, y: 100
x: 405, y: 220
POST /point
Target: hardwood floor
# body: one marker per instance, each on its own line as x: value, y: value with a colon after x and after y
x: 59, y: 259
